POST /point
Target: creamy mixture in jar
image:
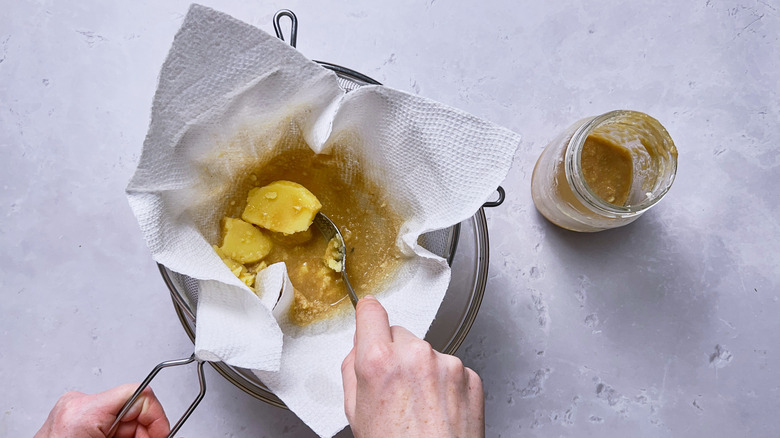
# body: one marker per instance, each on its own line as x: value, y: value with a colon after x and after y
x: 604, y: 172
x: 607, y: 168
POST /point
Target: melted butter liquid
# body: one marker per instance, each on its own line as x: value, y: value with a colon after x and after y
x: 359, y: 209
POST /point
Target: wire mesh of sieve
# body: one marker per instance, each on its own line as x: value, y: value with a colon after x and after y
x: 458, y: 307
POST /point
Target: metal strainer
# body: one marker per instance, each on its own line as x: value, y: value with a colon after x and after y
x: 447, y: 332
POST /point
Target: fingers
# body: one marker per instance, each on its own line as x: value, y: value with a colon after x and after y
x: 372, y: 325
x: 395, y: 382
x: 147, y: 410
x: 113, y: 399
x: 153, y: 416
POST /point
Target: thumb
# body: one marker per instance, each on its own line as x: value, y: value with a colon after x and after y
x: 112, y: 400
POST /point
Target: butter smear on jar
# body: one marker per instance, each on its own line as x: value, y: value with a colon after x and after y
x: 604, y: 172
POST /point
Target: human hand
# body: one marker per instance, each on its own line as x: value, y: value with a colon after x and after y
x: 91, y: 416
x: 396, y: 384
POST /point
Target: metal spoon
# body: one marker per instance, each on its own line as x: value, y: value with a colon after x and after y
x: 329, y: 231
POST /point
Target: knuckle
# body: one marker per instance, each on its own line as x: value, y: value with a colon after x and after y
x: 421, y: 350
x: 376, y: 360
x: 420, y: 359
x: 451, y: 368
x: 455, y: 363
x: 475, y: 382
x: 70, y: 395
x: 69, y: 400
x: 397, y: 330
x: 473, y: 375
x: 67, y: 407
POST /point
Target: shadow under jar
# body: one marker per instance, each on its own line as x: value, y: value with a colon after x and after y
x: 605, y: 171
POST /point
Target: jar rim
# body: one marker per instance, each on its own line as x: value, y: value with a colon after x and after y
x: 576, y: 179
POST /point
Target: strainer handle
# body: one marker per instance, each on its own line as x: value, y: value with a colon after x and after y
x: 497, y: 202
x: 293, y: 27
x: 148, y: 380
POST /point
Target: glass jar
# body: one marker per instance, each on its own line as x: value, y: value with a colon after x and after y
x: 604, y: 171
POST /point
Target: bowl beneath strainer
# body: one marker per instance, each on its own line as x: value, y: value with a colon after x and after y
x: 461, y: 301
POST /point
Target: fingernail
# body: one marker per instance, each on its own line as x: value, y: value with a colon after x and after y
x: 369, y: 297
x: 135, y: 410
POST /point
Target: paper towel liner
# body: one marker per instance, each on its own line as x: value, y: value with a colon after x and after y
x: 226, y: 92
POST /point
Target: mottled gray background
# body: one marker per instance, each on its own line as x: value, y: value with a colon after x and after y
x: 665, y: 328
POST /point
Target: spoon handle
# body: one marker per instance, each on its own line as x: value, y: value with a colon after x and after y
x: 352, y: 296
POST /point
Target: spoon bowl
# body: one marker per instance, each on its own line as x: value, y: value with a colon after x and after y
x: 330, y: 231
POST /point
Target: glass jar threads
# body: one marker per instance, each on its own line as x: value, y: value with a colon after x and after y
x: 604, y: 171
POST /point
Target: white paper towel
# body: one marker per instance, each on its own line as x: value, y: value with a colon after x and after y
x: 225, y: 84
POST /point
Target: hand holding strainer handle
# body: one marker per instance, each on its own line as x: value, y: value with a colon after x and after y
x: 171, y: 363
